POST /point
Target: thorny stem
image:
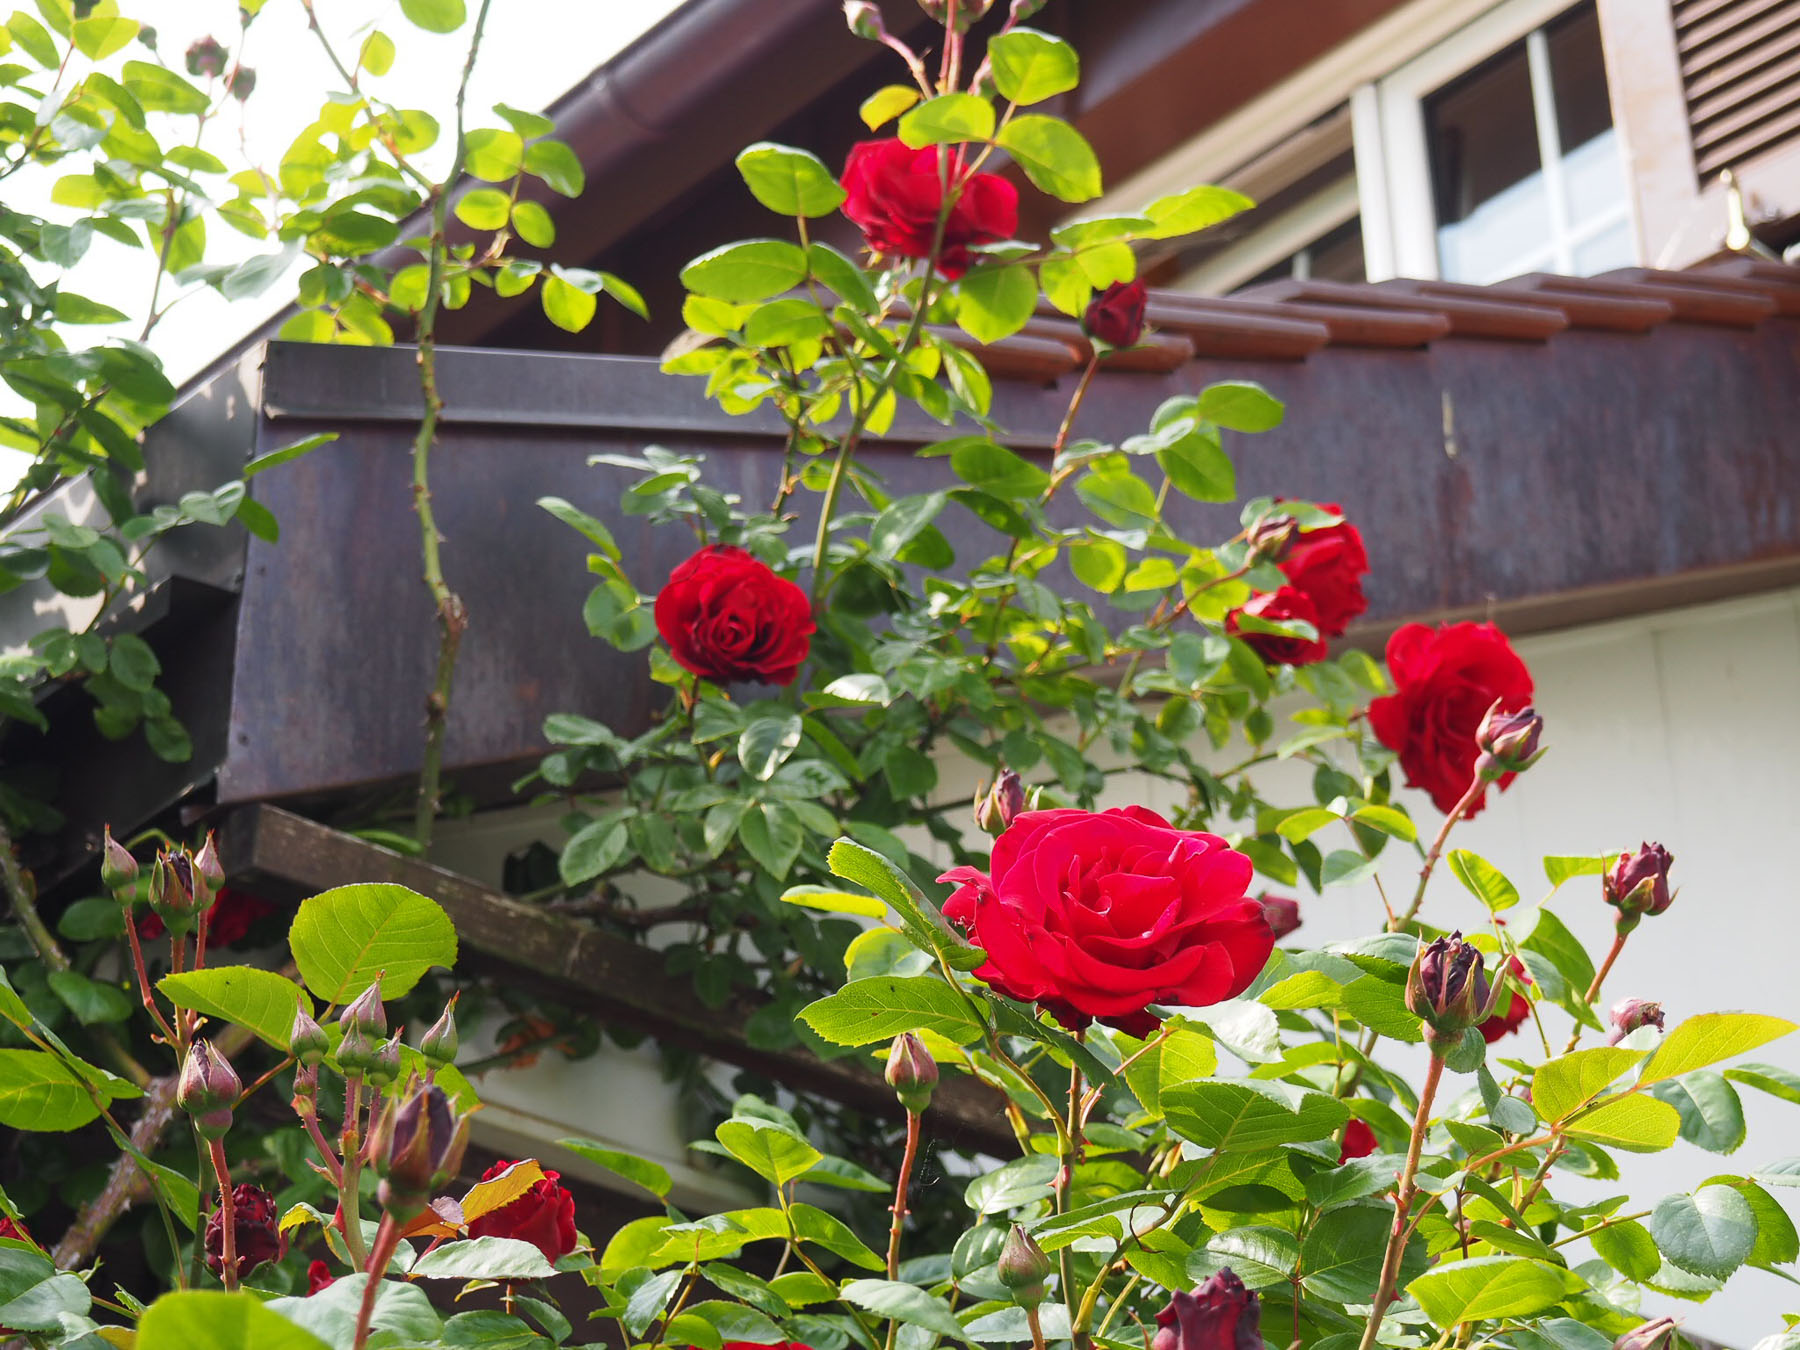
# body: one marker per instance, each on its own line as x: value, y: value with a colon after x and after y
x: 1403, y: 1198
x: 1477, y: 785
x: 900, y: 1187
x: 452, y: 615
x: 228, y: 1271
x: 143, y: 979
x: 387, y: 1237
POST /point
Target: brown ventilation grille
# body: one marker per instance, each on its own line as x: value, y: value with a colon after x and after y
x: 1740, y: 66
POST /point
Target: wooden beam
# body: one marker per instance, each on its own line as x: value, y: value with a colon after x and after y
x: 281, y: 855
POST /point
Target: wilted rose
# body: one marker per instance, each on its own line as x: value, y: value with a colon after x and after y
x: 1628, y: 1014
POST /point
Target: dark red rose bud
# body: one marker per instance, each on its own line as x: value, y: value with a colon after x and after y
x: 206, y: 57
x: 255, y: 1225
x: 1657, y: 1334
x: 1628, y: 1014
x: 1281, y: 914
x: 147, y: 35
x: 1359, y: 1141
x: 207, y: 1089
x: 1220, y: 1315
x: 967, y: 11
x: 1638, y: 884
x: 177, y: 892
x: 319, y: 1278
x: 1272, y: 538
x: 1116, y: 315
x: 1448, y: 988
x: 895, y: 194
x: 118, y: 869
x: 1287, y: 605
x: 911, y: 1072
x: 544, y: 1216
x: 729, y: 619
x: 1508, y: 741
x: 417, y: 1145
x: 1022, y: 1268
x: 864, y: 19
x: 1518, y: 1007
x: 1000, y: 805
x: 1023, y: 10
x: 241, y: 84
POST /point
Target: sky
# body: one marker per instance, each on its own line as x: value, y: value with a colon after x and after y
x: 532, y: 52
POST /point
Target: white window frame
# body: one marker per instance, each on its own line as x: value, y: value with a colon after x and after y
x: 1388, y: 123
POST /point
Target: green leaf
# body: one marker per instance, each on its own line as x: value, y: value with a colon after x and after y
x: 258, y: 999
x: 43, y: 1306
x: 995, y: 302
x: 653, y: 1177
x: 1030, y: 66
x: 1629, y: 1249
x: 1240, y: 405
x: 772, y: 834
x: 532, y: 223
x: 1777, y: 1240
x: 580, y: 520
x: 1712, y: 1117
x: 288, y: 452
x: 1198, y: 467
x: 1054, y: 156
x: 1769, y: 1078
x: 740, y: 273
x: 1710, y: 1232
x: 160, y: 90
x: 132, y: 662
x: 834, y: 902
x: 1250, y: 1115
x: 483, y: 1258
x: 1341, y: 1257
x: 1197, y: 208
x: 38, y: 1092
x: 1259, y: 1256
x: 767, y: 743
x: 880, y: 1008
x: 592, y: 850
x: 435, y: 16
x: 557, y: 166
x: 774, y: 1153
x: 947, y: 119
x: 789, y: 182
x: 996, y: 470
x: 1023, y: 1181
x: 98, y: 38
x: 1483, y: 880
x: 201, y: 1319
x: 1563, y: 1086
x: 91, y: 1001
x: 1559, y: 868
x: 1637, y: 1123
x: 736, y: 1323
x: 566, y: 305
x: 484, y: 208
x: 920, y: 919
x: 377, y: 54
x: 1710, y: 1037
x: 904, y: 1303
x: 880, y: 107
x: 403, y: 1315
x: 345, y: 937
x: 1387, y: 819
x: 1491, y: 1287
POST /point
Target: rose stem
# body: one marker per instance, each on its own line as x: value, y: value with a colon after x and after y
x: 228, y: 1271
x: 349, y: 1198
x: 1403, y: 1198
x: 1037, y: 1330
x: 1593, y: 992
x: 900, y: 1186
x: 386, y: 1238
x: 1476, y: 786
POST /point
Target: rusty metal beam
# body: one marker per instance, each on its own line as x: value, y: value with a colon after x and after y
x: 284, y: 856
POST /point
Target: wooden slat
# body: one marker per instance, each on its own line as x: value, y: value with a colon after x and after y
x: 1609, y: 313
x: 1779, y: 46
x: 1740, y: 70
x: 1759, y: 138
x: 1778, y: 76
x: 1784, y: 291
x: 1732, y: 29
x: 1019, y: 357
x: 1158, y: 354
x: 1692, y: 304
x: 1239, y: 329
x: 1487, y: 316
x: 285, y: 856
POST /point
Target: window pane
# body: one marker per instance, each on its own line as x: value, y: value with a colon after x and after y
x: 1482, y: 135
x: 1578, y: 74
x: 1338, y: 256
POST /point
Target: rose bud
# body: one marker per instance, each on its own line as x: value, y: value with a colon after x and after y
x: 241, y: 84
x: 307, y: 1041
x: 356, y: 1053
x: 1219, y: 1315
x: 1272, y: 538
x: 967, y: 11
x: 1022, y: 1267
x: 1023, y: 10
x: 177, y: 894
x: 1657, y: 1334
x: 1116, y: 315
x: 996, y: 808
x: 1628, y: 1014
x: 147, y: 35
x: 366, y: 1014
x: 319, y: 1278
x: 911, y: 1072
x: 206, y: 57
x: 255, y: 1228
x: 1508, y: 741
x: 207, y: 1089
x: 118, y: 869
x: 384, y: 1065
x: 1447, y: 987
x: 864, y: 19
x: 1638, y: 884
x: 417, y: 1146
x: 206, y: 866
x: 440, y: 1042
x: 1280, y: 913
x: 1359, y: 1142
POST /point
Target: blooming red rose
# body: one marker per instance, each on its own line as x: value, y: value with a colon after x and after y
x: 1359, y: 1141
x: 728, y: 618
x: 1518, y: 1008
x: 1445, y: 680
x: 254, y: 1226
x: 1282, y: 606
x: 228, y: 921
x: 1281, y: 913
x: 15, y: 1231
x: 1221, y: 1314
x: 544, y: 1216
x: 895, y: 195
x: 1100, y: 914
x: 1328, y: 564
x: 319, y: 1278
x: 1116, y: 315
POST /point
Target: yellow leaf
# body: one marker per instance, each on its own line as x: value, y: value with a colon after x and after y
x: 484, y: 1197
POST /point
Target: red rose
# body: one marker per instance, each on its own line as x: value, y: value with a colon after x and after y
x: 1280, y: 913
x: 1116, y: 315
x: 254, y: 1230
x: 544, y: 1216
x: 228, y: 921
x: 1328, y: 564
x: 1221, y: 1314
x: 1282, y: 606
x: 728, y: 618
x: 895, y: 195
x: 15, y: 1231
x: 1445, y: 681
x: 319, y: 1278
x: 1098, y: 915
x: 1518, y: 1008
x: 1359, y: 1141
